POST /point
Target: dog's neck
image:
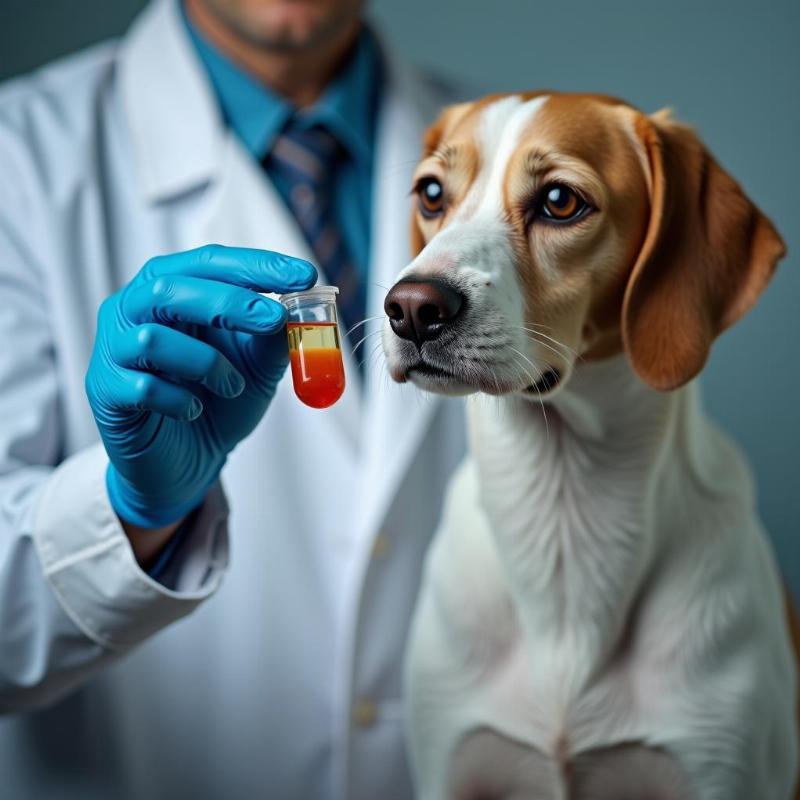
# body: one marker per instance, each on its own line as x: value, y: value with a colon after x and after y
x: 604, y: 401
x: 569, y: 491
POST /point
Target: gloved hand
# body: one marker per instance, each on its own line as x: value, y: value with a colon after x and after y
x: 186, y: 360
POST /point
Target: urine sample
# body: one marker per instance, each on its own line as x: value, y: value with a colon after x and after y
x: 315, y: 352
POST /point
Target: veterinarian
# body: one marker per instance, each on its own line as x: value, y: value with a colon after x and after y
x: 205, y: 585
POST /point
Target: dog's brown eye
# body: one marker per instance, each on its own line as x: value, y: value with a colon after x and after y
x: 430, y: 194
x: 559, y: 203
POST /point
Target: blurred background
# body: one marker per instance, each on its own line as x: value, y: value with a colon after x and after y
x: 730, y: 67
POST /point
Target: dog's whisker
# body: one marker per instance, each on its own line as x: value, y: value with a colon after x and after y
x: 525, y: 372
x: 378, y: 356
x: 559, y: 353
x: 380, y: 359
x: 538, y: 325
x: 522, y: 355
x: 375, y: 350
x: 566, y: 347
x: 363, y: 322
x: 364, y: 339
x: 366, y: 361
x: 535, y: 386
x: 550, y: 347
x: 551, y: 339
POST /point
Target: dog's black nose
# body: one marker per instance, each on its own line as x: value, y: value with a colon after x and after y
x: 420, y: 310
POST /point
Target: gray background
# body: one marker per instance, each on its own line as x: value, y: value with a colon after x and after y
x: 731, y: 67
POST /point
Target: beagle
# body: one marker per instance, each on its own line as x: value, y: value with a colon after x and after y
x: 601, y: 616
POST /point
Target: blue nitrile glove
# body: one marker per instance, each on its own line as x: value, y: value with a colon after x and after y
x: 186, y: 360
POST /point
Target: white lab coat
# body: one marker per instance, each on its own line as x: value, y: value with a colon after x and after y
x: 285, y: 683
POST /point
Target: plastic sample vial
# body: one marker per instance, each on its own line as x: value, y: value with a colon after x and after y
x: 315, y: 352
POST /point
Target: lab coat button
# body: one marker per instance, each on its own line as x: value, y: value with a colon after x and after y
x: 364, y: 713
x: 380, y: 547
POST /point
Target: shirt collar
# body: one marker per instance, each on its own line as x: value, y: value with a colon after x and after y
x: 347, y: 107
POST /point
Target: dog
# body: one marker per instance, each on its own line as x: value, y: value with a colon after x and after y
x: 600, y: 615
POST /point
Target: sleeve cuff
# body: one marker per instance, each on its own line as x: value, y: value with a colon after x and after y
x: 167, y: 556
x: 89, y: 563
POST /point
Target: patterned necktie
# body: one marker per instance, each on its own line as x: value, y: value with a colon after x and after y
x: 305, y: 161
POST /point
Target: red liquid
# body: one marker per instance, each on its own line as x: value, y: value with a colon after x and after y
x: 317, y: 368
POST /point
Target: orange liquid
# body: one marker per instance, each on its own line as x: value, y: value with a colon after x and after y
x: 316, y: 359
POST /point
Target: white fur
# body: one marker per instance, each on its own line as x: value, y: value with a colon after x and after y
x: 500, y: 128
x: 603, y: 583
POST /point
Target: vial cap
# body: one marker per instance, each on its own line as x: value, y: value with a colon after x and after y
x: 317, y: 294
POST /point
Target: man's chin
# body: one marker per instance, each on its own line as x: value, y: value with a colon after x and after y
x: 303, y: 26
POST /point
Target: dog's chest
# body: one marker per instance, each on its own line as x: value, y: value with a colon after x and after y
x: 523, y: 664
x: 537, y: 566
x: 568, y: 523
x: 526, y: 672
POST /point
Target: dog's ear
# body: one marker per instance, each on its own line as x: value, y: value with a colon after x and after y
x: 707, y: 255
x: 431, y: 140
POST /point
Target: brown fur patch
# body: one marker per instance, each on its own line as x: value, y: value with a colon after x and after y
x: 708, y: 254
x: 449, y: 154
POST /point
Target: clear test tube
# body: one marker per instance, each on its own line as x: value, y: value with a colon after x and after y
x: 315, y: 352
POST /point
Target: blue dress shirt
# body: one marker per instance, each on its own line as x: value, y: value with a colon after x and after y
x: 347, y: 108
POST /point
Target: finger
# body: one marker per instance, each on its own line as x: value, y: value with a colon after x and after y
x: 152, y: 347
x: 143, y: 391
x: 260, y: 270
x: 179, y: 298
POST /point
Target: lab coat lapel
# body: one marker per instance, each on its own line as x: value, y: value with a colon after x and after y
x: 176, y: 132
x: 396, y: 415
